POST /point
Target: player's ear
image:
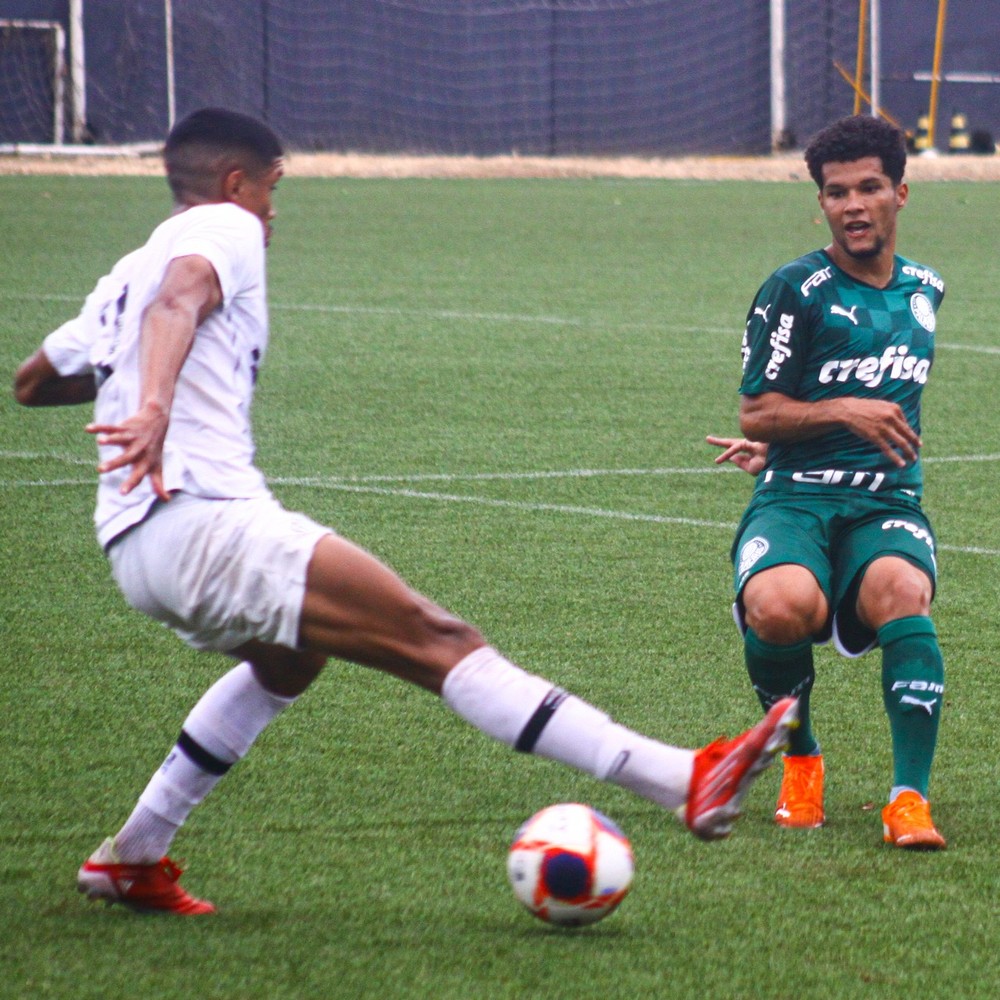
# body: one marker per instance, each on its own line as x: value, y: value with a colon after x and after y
x: 232, y: 182
x: 902, y: 194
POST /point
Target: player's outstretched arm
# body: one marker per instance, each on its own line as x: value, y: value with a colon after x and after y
x: 37, y: 383
x: 190, y: 291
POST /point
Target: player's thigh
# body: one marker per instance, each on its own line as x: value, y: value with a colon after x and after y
x: 357, y: 608
x: 886, y: 568
x: 219, y: 573
x: 889, y: 560
x: 904, y: 532
x: 782, y: 570
x: 779, y: 532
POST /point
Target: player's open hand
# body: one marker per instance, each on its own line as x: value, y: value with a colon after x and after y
x: 141, y: 438
x: 747, y: 455
x: 883, y: 424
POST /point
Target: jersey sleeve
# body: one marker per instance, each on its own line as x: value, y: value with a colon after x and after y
x: 773, y: 341
x: 71, y: 348
x: 231, y: 240
x: 68, y: 348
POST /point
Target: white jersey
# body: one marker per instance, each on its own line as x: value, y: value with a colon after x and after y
x: 209, y: 448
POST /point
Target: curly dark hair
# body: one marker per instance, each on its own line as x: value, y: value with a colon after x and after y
x: 853, y: 138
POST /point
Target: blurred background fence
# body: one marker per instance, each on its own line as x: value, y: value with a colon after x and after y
x: 564, y: 77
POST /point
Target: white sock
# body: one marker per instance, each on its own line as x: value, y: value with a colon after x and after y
x: 218, y: 732
x: 530, y: 714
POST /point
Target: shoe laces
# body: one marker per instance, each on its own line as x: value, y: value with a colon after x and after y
x: 170, y: 870
x: 912, y: 809
x: 800, y: 781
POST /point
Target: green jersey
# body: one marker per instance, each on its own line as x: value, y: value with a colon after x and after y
x: 813, y: 333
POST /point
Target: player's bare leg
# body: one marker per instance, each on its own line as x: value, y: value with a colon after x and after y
x: 357, y: 609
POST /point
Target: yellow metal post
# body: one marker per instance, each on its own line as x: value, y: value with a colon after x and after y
x: 936, y: 69
x: 859, y: 72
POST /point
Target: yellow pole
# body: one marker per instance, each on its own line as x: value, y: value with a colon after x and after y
x: 859, y: 79
x: 936, y: 69
x: 864, y: 95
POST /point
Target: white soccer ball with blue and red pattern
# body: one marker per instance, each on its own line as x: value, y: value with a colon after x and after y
x: 570, y: 865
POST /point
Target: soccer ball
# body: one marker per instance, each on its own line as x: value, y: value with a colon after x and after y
x: 570, y: 865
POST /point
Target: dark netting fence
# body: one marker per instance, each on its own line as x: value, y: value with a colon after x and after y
x: 644, y: 77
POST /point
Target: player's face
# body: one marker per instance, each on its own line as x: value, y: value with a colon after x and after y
x: 254, y: 192
x: 860, y: 203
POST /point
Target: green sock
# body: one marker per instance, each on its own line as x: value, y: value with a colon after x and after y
x: 913, y: 691
x: 779, y: 671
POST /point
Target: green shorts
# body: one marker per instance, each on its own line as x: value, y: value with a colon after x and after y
x: 834, y: 536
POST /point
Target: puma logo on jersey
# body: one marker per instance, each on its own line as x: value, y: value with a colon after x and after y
x: 763, y: 313
x: 836, y: 310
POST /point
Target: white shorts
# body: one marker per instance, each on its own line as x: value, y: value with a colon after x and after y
x: 219, y: 572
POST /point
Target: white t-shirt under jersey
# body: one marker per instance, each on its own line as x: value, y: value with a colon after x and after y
x: 209, y: 448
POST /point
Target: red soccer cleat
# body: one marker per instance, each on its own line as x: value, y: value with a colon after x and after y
x: 725, y: 769
x: 143, y: 888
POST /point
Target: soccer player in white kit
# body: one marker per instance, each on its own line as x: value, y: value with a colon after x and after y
x: 168, y: 345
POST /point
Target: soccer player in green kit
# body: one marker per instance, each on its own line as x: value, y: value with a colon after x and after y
x: 834, y: 543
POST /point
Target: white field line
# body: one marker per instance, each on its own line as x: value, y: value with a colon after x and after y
x: 454, y: 315
x: 557, y: 508
x: 471, y: 316
x: 975, y: 348
x: 452, y: 477
x: 32, y: 456
x: 366, y: 484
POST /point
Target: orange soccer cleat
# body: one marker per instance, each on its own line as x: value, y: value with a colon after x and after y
x: 906, y: 822
x: 800, y: 801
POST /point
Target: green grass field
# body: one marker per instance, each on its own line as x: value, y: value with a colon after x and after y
x: 502, y: 388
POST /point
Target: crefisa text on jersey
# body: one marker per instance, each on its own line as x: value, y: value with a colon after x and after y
x: 924, y: 275
x: 895, y: 360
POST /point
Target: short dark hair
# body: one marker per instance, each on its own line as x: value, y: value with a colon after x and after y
x: 853, y: 138
x: 212, y: 140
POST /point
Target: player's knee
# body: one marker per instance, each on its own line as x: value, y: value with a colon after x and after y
x: 430, y: 644
x: 780, y: 626
x: 892, y: 591
x: 282, y: 671
x: 786, y: 619
x: 784, y: 614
